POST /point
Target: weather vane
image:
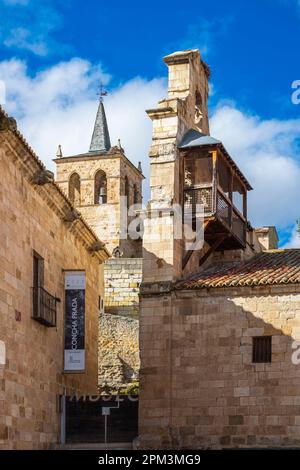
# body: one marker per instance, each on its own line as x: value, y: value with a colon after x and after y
x: 102, y: 91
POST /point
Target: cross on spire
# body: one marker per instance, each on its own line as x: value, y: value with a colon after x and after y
x: 100, y: 139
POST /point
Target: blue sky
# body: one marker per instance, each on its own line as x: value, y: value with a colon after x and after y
x: 53, y: 54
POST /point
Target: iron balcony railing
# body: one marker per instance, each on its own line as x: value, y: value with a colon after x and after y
x: 44, y: 306
x: 215, y: 202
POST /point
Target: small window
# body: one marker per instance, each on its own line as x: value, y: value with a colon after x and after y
x: 135, y: 195
x: 127, y: 191
x: 262, y: 349
x: 74, y: 189
x: 100, y: 190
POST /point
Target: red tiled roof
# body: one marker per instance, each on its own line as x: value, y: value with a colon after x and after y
x: 266, y: 268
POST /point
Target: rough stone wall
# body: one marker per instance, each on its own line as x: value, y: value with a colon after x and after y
x: 119, y: 360
x: 123, y: 277
x: 32, y: 377
x: 198, y: 385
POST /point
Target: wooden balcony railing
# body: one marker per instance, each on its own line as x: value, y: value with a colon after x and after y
x: 44, y: 306
x: 216, y: 203
x: 199, y: 195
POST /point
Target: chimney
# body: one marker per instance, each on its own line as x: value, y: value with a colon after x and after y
x: 188, y: 79
x: 267, y: 237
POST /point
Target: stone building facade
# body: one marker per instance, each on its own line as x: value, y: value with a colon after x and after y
x: 38, y: 220
x: 199, y: 386
x: 218, y: 323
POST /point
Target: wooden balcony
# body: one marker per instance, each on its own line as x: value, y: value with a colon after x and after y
x: 221, y: 217
x: 213, y: 180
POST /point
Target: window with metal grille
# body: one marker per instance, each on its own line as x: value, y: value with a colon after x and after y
x: 262, y: 349
x: 43, y: 303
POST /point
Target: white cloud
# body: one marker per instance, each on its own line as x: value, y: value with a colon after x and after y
x: 128, y: 120
x: 15, y: 2
x: 28, y: 26
x: 294, y: 241
x: 21, y: 38
x: 59, y: 104
x: 203, y: 33
x: 266, y: 151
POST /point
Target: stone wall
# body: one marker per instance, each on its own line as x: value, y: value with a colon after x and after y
x: 32, y: 378
x: 198, y: 385
x: 118, y: 331
x: 123, y: 277
x: 119, y: 360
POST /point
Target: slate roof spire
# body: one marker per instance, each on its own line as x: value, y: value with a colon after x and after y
x: 100, y: 139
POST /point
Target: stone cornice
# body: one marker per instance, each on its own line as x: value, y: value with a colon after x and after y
x: 23, y: 156
x: 240, y: 291
x: 159, y: 113
x: 149, y: 289
x: 88, y: 157
x: 153, y: 289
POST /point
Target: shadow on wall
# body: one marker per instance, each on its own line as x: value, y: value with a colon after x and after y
x: 198, y: 385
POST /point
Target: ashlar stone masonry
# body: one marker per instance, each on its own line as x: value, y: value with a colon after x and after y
x: 204, y: 382
x: 35, y: 216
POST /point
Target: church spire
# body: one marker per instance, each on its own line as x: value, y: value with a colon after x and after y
x: 100, y: 139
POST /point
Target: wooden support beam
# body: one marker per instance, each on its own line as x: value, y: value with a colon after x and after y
x: 211, y: 250
x: 245, y: 204
x: 230, y: 196
x: 214, y: 154
x: 189, y: 253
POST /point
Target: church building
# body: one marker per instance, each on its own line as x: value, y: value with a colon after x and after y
x: 98, y: 182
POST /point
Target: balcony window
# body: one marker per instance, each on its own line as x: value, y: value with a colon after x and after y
x: 238, y: 195
x: 44, y: 310
x: 43, y: 303
x: 224, y: 177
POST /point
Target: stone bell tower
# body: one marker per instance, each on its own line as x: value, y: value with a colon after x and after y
x: 103, y: 183
x: 184, y: 109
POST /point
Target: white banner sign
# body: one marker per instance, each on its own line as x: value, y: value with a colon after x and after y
x: 74, y: 360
